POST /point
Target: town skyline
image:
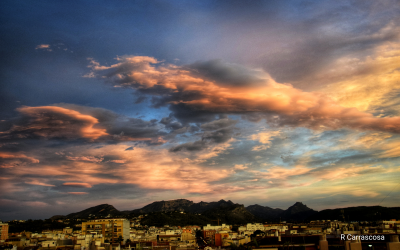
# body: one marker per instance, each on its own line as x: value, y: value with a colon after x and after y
x: 256, y: 102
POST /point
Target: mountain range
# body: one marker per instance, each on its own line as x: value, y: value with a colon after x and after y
x: 182, y: 212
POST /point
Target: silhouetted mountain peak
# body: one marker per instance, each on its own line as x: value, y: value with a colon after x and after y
x: 226, y: 202
x: 99, y: 210
x: 166, y: 206
x: 298, y: 207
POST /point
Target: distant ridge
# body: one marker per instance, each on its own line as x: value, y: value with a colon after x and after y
x: 297, y: 212
x: 362, y: 213
x: 182, y: 211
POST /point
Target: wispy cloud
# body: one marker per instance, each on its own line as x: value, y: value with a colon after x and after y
x: 78, y: 193
x: 77, y: 184
x: 43, y: 46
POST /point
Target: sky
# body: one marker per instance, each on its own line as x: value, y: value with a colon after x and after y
x: 258, y: 102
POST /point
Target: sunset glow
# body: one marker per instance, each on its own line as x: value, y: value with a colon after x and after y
x: 258, y: 102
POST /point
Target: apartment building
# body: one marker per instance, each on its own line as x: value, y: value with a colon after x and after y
x: 111, y: 229
x: 3, y: 231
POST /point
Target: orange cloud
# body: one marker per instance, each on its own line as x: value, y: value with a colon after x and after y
x: 52, y: 121
x: 390, y: 150
x: 281, y: 104
x: 10, y: 160
x: 264, y: 138
x: 43, y: 46
x: 305, y: 176
x: 149, y: 168
x: 18, y: 156
x: 366, y: 83
x: 334, y: 173
x: 162, y: 170
x: 77, y: 193
x: 145, y: 167
x: 240, y: 167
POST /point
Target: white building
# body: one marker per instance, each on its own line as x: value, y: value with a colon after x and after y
x: 217, y: 228
x: 255, y: 226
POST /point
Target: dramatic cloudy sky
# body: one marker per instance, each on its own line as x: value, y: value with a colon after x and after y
x: 259, y: 102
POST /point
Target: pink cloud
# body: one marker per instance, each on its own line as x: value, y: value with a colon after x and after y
x: 18, y: 156
x: 36, y: 204
x: 85, y: 158
x: 282, y: 173
x: 77, y: 184
x: 43, y: 46
x: 77, y: 193
x: 36, y: 182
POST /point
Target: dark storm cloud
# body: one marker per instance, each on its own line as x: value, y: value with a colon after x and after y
x: 190, y: 146
x: 218, y: 124
x: 228, y: 74
x: 171, y: 123
x: 217, y: 131
x: 219, y: 136
x: 186, y: 113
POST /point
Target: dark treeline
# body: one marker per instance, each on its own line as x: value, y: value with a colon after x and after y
x: 37, y: 226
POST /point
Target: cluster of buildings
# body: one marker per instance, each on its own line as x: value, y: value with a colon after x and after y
x: 120, y: 233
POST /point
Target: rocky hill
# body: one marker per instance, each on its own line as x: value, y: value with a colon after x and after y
x: 297, y: 212
x: 231, y: 214
x: 265, y: 213
x: 182, y: 205
x: 102, y: 210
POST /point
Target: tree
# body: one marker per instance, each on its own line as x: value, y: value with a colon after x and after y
x: 120, y: 239
x: 287, y: 243
x: 255, y: 242
x: 233, y: 246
